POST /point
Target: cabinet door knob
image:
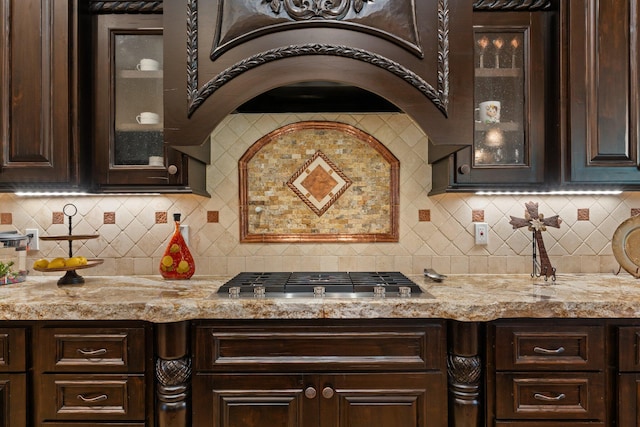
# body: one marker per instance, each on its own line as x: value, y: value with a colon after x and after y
x: 464, y: 169
x: 172, y: 169
x: 327, y: 392
x: 310, y: 393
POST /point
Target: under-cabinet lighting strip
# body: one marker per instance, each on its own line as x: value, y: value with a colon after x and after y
x: 551, y: 193
x: 75, y: 194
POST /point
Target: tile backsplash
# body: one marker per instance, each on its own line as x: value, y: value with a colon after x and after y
x: 435, y: 231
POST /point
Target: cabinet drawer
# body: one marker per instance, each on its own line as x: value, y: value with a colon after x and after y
x: 92, y: 397
x: 547, y: 424
x: 521, y: 347
x: 629, y: 348
x: 326, y: 348
x: 92, y: 349
x: 557, y: 395
x: 12, y: 350
x: 93, y: 424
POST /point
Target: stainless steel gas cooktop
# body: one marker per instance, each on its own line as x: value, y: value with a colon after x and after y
x: 321, y: 284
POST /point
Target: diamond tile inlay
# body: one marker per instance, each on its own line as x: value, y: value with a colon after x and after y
x: 319, y: 183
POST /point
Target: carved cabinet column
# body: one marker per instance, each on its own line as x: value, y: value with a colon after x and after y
x: 464, y: 367
x: 173, y: 375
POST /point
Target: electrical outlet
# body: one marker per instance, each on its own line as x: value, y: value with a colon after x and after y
x: 184, y: 230
x: 482, y: 233
x: 34, y: 244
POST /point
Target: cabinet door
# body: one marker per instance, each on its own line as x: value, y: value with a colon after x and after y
x: 603, y: 93
x: 37, y: 136
x: 628, y: 395
x: 383, y: 400
x: 251, y: 400
x: 128, y: 110
x: 514, y: 105
x: 13, y: 398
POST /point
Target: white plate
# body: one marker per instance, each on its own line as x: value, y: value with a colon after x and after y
x: 626, y: 245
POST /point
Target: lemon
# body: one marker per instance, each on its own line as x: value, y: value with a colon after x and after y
x: 83, y: 260
x: 73, y: 262
x: 41, y: 263
x: 174, y: 248
x: 56, y: 263
x: 183, y: 267
x: 167, y: 261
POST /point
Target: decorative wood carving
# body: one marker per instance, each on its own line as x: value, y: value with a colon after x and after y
x: 439, y: 97
x: 121, y: 6
x: 464, y: 369
x: 512, y: 5
x: 173, y: 387
x: 196, y: 96
x: 316, y: 8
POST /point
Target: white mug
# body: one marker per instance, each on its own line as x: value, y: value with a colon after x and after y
x: 489, y: 111
x: 148, y: 118
x: 147, y: 64
x: 156, y: 161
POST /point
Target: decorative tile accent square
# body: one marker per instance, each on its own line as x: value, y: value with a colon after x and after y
x: 213, y: 216
x: 583, y: 214
x: 477, y: 215
x: 6, y: 218
x: 319, y: 183
x: 635, y: 211
x: 424, y: 215
x: 57, y: 218
x: 161, y: 217
x: 109, y: 218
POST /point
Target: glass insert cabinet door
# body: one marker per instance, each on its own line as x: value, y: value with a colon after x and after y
x: 515, y: 90
x: 137, y: 95
x: 127, y: 74
x: 500, y: 75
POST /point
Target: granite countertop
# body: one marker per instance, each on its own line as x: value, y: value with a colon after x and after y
x: 459, y: 297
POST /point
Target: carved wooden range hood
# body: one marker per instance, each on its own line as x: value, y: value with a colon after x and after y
x: 410, y: 55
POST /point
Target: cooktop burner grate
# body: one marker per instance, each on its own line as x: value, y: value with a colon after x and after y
x: 333, y: 282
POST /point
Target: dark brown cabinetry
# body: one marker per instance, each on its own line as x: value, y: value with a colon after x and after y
x: 514, y: 147
x: 39, y: 143
x: 541, y: 371
x: 129, y: 149
x: 629, y: 376
x: 347, y: 375
x: 13, y: 377
x: 93, y: 374
x: 603, y: 101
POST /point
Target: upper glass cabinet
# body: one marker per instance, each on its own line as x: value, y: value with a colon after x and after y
x: 500, y: 76
x: 138, y: 100
x: 515, y: 91
x: 129, y: 149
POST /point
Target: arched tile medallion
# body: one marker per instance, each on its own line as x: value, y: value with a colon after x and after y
x: 319, y: 182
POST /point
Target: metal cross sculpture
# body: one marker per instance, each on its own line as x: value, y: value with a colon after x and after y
x: 537, y: 223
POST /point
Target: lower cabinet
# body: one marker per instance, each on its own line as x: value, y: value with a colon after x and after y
x: 345, y: 400
x: 629, y: 376
x: 13, y: 377
x: 544, y: 372
x: 344, y: 375
x: 93, y: 373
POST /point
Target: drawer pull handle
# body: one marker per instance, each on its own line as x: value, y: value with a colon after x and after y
x: 545, y: 398
x: 310, y: 393
x: 541, y: 350
x: 92, y: 353
x: 98, y: 398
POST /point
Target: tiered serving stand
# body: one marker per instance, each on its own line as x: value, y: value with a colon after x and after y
x: 71, y: 277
